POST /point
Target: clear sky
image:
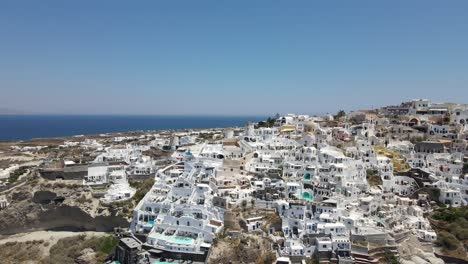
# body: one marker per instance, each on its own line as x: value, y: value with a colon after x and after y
x: 229, y: 57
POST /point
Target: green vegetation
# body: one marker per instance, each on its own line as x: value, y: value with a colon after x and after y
x: 142, y: 187
x: 22, y: 252
x: 67, y: 250
x: 206, y: 136
x: 355, y: 120
x: 339, y: 115
x: 107, y: 244
x: 270, y: 122
x: 390, y: 258
x: 373, y: 178
x: 243, y: 224
x: 434, y: 194
x: 14, y: 176
x: 361, y: 243
x: 451, y: 225
x: 447, y: 241
x: 451, y: 214
x: 126, y: 207
x: 314, y: 259
x: 272, y: 219
x: 244, y: 204
x: 398, y: 161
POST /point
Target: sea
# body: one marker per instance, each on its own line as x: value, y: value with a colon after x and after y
x: 26, y: 127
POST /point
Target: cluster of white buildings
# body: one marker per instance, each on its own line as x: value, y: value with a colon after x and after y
x: 321, y: 191
x: 114, y: 165
x: 314, y: 173
x: 178, y: 214
x: 348, y: 189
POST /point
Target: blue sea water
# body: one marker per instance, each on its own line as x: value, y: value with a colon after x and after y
x: 24, y: 127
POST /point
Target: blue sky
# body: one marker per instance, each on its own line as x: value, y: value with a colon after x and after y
x: 229, y: 57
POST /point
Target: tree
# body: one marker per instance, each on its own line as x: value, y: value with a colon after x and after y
x: 270, y: 122
x: 390, y: 258
x: 340, y: 114
x: 244, y: 203
x: 447, y: 241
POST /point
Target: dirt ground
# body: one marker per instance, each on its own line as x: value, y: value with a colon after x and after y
x: 49, y: 237
x: 34, y: 247
x: 413, y: 251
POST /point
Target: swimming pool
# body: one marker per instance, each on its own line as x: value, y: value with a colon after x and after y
x: 307, y: 196
x: 154, y: 235
x: 150, y: 223
x: 182, y: 240
x: 378, y: 219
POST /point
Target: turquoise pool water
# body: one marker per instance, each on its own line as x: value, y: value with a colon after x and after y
x: 182, y: 240
x: 153, y: 235
x: 307, y: 196
x: 150, y: 223
x: 175, y: 239
x: 159, y: 262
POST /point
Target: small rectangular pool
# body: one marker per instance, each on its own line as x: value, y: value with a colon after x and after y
x: 149, y: 224
x: 155, y: 235
x: 181, y: 240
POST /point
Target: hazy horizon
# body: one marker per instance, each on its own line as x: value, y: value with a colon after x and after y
x: 234, y: 58
x: 13, y: 112
x: 16, y: 112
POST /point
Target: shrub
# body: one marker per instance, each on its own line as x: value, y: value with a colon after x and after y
x: 447, y: 241
x: 244, y: 203
x: 266, y: 258
x: 390, y: 258
x: 107, y: 244
x: 243, y: 225
x: 68, y: 249
x: 16, y: 174
x: 142, y: 187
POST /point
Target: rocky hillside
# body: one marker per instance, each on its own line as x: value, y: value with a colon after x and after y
x: 41, y: 205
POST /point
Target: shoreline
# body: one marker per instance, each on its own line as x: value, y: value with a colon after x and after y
x: 111, y: 134
x: 34, y: 128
